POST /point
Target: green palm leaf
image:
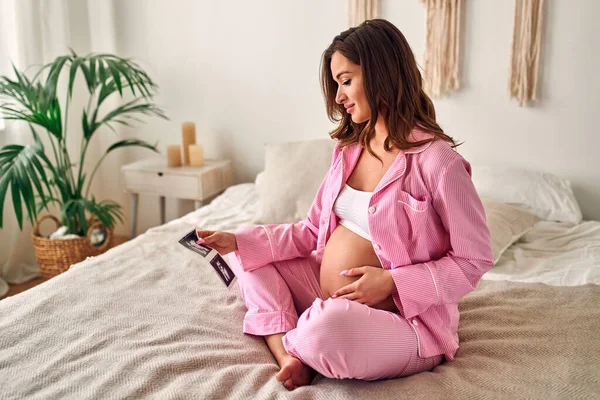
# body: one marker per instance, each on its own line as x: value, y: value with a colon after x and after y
x: 18, y: 169
x: 16, y: 199
x: 132, y: 143
x: 54, y: 75
x: 107, y: 211
x: 31, y: 102
x: 44, y: 201
x: 3, y: 188
x: 125, y: 112
x: 72, y: 215
x: 75, y: 65
x: 31, y: 176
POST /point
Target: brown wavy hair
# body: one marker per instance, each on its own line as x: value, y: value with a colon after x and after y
x: 392, y: 84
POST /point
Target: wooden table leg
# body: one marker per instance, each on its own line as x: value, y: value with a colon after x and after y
x: 162, y: 210
x: 134, y: 210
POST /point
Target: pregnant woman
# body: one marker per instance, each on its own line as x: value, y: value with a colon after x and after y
x: 368, y: 285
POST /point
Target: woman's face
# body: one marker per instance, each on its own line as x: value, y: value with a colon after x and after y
x: 350, y: 91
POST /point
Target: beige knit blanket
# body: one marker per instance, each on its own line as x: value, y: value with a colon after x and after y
x: 148, y: 320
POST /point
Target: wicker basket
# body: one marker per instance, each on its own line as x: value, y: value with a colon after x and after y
x: 55, y: 256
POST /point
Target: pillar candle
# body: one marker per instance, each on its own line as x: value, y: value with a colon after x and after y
x: 188, y: 133
x: 174, y: 155
x: 196, y: 155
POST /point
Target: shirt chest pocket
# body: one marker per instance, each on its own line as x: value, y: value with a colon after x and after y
x: 411, y: 215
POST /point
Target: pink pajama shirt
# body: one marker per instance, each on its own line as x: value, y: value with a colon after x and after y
x: 428, y: 229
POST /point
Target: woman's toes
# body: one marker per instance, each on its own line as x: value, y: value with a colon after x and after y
x: 289, y: 384
x: 294, y: 373
x: 284, y: 373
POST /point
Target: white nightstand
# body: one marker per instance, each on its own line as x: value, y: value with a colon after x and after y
x: 152, y: 176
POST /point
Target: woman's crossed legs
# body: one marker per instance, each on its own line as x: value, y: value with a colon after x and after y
x: 338, y: 338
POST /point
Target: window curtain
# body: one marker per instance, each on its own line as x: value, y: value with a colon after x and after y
x: 35, y: 32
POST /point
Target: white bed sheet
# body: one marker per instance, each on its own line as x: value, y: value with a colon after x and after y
x: 554, y: 253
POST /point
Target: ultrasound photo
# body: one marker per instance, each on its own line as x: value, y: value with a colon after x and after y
x: 222, y: 269
x: 217, y: 262
x: 189, y: 241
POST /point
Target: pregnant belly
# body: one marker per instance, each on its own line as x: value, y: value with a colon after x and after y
x: 344, y: 250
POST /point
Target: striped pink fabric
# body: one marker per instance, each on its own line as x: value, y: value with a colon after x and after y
x: 368, y: 344
x: 428, y: 228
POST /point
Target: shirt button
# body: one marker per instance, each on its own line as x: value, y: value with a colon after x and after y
x: 376, y: 246
x: 371, y: 209
x: 415, y: 322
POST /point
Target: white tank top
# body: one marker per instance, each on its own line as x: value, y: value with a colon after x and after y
x: 352, y: 207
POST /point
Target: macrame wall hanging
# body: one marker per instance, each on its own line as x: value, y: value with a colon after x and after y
x: 442, y: 47
x: 361, y: 10
x: 442, y: 44
x: 525, y: 50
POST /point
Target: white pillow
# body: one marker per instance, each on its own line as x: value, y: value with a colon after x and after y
x: 547, y: 196
x: 292, y: 175
x: 506, y: 224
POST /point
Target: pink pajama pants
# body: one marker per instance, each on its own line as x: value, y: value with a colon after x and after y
x: 338, y: 338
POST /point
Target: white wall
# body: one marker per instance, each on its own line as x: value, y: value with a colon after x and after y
x: 248, y: 73
x: 560, y: 134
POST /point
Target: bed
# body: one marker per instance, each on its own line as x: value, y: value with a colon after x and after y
x: 148, y: 320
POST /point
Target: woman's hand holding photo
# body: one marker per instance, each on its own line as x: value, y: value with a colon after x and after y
x: 223, y: 242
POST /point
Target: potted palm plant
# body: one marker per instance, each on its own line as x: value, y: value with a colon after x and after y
x: 36, y: 179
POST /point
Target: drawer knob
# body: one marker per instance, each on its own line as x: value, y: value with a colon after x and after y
x: 160, y: 174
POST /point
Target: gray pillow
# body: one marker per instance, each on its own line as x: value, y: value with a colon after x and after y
x: 292, y: 175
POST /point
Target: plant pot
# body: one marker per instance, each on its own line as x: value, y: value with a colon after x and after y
x: 55, y: 256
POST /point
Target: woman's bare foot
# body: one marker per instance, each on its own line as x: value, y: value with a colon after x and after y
x: 294, y: 373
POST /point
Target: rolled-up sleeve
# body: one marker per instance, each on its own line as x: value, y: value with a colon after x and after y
x: 448, y: 279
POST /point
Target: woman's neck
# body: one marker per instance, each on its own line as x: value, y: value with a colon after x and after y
x: 381, y: 133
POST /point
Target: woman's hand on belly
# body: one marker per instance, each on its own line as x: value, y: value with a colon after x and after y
x: 346, y: 250
x: 373, y: 286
